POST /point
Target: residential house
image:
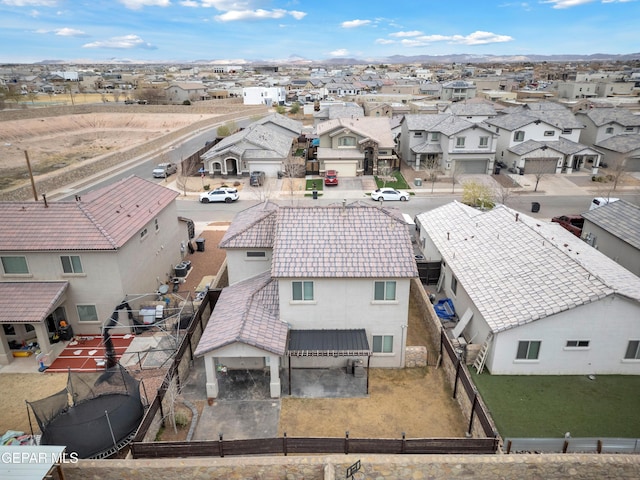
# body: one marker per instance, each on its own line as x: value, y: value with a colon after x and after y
x: 264, y: 145
x: 541, y: 122
x: 474, y: 111
x: 311, y: 287
x: 390, y: 109
x: 330, y: 111
x: 356, y: 146
x: 605, y: 122
x: 264, y: 96
x: 181, y: 92
x: 76, y: 260
x: 447, y: 143
x: 458, y: 90
x: 538, y: 299
x: 614, y: 229
x: 621, y: 152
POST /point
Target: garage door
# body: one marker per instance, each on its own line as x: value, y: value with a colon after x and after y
x: 344, y: 168
x: 271, y: 169
x: 540, y: 165
x: 472, y: 166
x: 633, y: 165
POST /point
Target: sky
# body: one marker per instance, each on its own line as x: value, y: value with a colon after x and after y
x: 276, y: 30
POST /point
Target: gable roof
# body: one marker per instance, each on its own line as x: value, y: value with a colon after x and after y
x: 294, y: 126
x: 444, y: 123
x: 517, y: 269
x: 562, y: 145
x: 375, y: 128
x: 247, y: 312
x: 255, y: 141
x: 623, y: 143
x: 621, y: 219
x: 548, y: 112
x: 621, y: 116
x: 252, y: 228
x: 29, y: 302
x: 351, y: 241
x: 104, y: 219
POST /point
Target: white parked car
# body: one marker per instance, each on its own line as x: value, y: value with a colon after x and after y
x: 222, y: 194
x: 163, y: 170
x: 387, y: 194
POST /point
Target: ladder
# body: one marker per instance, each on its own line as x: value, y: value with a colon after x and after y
x: 482, y: 354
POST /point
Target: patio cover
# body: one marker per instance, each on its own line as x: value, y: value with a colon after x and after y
x: 29, y: 302
x: 328, y: 343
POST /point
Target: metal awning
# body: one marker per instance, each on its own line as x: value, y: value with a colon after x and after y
x: 328, y: 343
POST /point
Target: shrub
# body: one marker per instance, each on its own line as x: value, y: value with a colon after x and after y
x: 206, y: 187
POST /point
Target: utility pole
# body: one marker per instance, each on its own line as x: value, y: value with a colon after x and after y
x: 33, y: 183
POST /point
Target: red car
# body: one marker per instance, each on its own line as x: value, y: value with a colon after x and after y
x: 331, y: 177
x: 573, y: 223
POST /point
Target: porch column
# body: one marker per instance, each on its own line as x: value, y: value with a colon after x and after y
x: 274, y: 373
x: 212, y: 379
x: 43, y: 337
x: 5, y: 352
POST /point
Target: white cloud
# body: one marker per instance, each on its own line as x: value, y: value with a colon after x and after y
x: 259, y: 14
x: 70, y: 32
x: 384, y: 41
x: 138, y: 4
x: 30, y: 3
x: 413, y: 33
x: 567, y: 3
x: 189, y: 3
x: 355, y: 23
x: 124, y: 42
x: 341, y: 52
x: 475, y: 38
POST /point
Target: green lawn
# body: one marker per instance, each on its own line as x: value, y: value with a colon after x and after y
x: 399, y: 183
x: 314, y: 184
x: 550, y: 406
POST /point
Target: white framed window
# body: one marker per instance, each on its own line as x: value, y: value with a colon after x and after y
x: 384, y: 291
x: 347, y: 142
x: 518, y: 136
x: 567, y: 131
x: 577, y: 344
x: 454, y: 285
x: 417, y: 134
x: 156, y: 224
x: 633, y: 350
x: 629, y: 129
x: 435, y: 136
x: 71, y: 264
x: 484, y: 142
x: 549, y: 133
x: 143, y: 233
x: 609, y: 130
x: 383, y: 344
x: 528, y: 350
x: 87, y: 313
x: 460, y: 142
x: 302, y: 291
x: 256, y: 254
x: 15, y: 265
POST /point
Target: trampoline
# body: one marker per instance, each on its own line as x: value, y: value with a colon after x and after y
x: 95, y: 416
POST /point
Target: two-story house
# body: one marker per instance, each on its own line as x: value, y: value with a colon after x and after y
x: 74, y: 261
x: 311, y: 287
x: 540, y: 300
x: 356, y: 146
x: 181, y: 92
x: 446, y: 142
x: 606, y: 122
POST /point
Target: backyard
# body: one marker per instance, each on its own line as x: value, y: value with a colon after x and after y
x: 550, y: 406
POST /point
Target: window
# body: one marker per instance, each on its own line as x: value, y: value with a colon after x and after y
x: 71, y: 264
x: 347, y: 142
x: 633, y: 350
x: 302, y: 291
x: 383, y: 344
x: 577, y: 343
x: 157, y: 225
x: 528, y: 350
x: 549, y: 133
x: 87, y: 313
x: 518, y: 136
x: 609, y: 130
x: 143, y: 233
x: 459, y: 142
x: 385, y: 291
x: 484, y: 142
x: 454, y: 285
x: 566, y: 131
x: 435, y: 136
x: 417, y: 134
x: 15, y: 265
x: 629, y: 129
x: 256, y: 254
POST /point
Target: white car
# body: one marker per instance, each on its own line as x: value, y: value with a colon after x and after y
x: 222, y: 194
x: 163, y: 170
x: 387, y: 194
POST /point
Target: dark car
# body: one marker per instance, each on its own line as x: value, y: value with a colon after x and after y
x: 256, y: 179
x: 573, y: 223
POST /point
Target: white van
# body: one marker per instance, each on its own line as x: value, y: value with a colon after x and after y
x: 599, y: 201
x: 411, y: 226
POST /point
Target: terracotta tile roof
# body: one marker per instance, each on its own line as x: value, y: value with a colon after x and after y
x: 247, y: 312
x: 352, y: 241
x: 29, y: 302
x: 252, y: 228
x: 104, y: 219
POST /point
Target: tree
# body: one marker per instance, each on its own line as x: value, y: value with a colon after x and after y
x: 384, y: 173
x: 458, y: 170
x: 227, y: 129
x: 477, y: 194
x: 432, y: 170
x: 295, y: 108
x: 69, y: 89
x: 537, y: 169
x: 281, y: 110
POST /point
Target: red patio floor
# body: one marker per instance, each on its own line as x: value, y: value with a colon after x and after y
x: 83, y: 354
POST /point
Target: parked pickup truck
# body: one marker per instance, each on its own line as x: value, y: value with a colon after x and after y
x: 573, y: 223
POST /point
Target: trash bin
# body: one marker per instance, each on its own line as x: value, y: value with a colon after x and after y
x: 200, y: 244
x: 417, y: 182
x: 535, y: 207
x: 496, y: 170
x: 315, y: 194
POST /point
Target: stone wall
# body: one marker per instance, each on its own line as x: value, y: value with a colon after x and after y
x: 415, y: 357
x: 329, y: 467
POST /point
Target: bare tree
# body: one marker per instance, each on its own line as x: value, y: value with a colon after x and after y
x: 537, y: 169
x: 432, y: 171
x: 293, y: 168
x: 502, y: 193
x: 618, y: 171
x: 384, y: 173
x: 458, y: 170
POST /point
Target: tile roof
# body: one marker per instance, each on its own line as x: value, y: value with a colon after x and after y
x: 103, y: 219
x: 519, y: 271
x: 376, y: 128
x: 29, y: 302
x: 562, y: 145
x: 621, y: 116
x: 352, y: 241
x: 623, y: 143
x: 247, y: 312
x: 264, y: 139
x: 252, y: 228
x: 621, y: 219
x: 444, y: 123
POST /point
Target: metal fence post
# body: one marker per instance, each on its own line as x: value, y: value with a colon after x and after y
x: 455, y: 383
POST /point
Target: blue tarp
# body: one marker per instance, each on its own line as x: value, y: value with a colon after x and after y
x: 445, y: 309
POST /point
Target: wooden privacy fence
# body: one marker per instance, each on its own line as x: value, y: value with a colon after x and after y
x: 462, y: 377
x: 294, y: 445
